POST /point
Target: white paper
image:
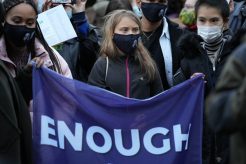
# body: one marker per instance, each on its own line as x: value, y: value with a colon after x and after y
x: 56, y: 26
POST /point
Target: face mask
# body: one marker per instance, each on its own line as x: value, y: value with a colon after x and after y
x: 154, y: 12
x: 69, y: 14
x: 209, y: 33
x: 40, y: 6
x: 126, y: 43
x: 187, y: 17
x: 137, y: 11
x: 19, y: 36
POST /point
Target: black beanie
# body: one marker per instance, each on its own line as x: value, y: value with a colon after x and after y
x: 8, y: 4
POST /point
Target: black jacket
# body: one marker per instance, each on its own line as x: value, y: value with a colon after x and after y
x: 15, y: 123
x: 116, y: 78
x: 81, y: 53
x: 153, y: 45
x: 195, y: 59
x: 226, y: 105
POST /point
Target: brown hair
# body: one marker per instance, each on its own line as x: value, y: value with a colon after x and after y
x: 108, y: 48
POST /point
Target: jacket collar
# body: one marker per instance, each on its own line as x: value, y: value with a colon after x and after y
x: 165, y: 31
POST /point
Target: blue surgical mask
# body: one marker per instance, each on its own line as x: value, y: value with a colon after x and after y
x: 40, y: 6
x: 137, y: 11
x: 154, y: 12
x: 209, y: 33
x: 126, y: 43
x: 69, y: 13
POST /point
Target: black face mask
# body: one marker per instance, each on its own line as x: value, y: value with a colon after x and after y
x: 126, y: 43
x: 19, y: 36
x: 154, y: 12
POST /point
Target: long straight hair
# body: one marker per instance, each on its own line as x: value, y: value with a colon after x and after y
x: 109, y: 49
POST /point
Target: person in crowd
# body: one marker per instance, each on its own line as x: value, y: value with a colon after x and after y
x: 135, y: 8
x: 231, y: 5
x: 174, y: 8
x: 196, y: 62
x: 160, y: 37
x: 124, y: 4
x: 238, y: 14
x: 211, y: 19
x: 188, y: 19
x: 227, y: 30
x: 15, y: 122
x: 226, y: 105
x: 187, y: 15
x: 80, y: 53
x: 125, y: 66
x: 22, y: 42
x: 206, y: 53
x: 97, y: 12
x: 118, y: 4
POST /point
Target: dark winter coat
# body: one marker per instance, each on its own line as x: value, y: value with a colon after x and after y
x: 15, y: 123
x: 116, y: 79
x: 153, y: 45
x: 226, y: 106
x: 81, y: 54
x: 195, y: 59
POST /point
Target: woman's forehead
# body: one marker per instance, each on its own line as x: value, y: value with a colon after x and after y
x: 127, y: 21
x: 206, y: 10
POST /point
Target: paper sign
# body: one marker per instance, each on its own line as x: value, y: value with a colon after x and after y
x: 56, y: 26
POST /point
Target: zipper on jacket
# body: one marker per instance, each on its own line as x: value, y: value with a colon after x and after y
x: 127, y: 78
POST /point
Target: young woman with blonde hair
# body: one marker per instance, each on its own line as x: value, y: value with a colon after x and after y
x: 125, y: 66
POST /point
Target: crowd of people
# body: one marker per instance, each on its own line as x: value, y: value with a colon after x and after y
x: 136, y: 48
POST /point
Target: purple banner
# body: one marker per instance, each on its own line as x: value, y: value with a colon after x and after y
x: 76, y: 123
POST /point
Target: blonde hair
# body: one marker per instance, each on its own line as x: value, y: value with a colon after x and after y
x: 108, y: 48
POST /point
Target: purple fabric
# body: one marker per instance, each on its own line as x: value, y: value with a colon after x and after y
x: 75, y: 108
